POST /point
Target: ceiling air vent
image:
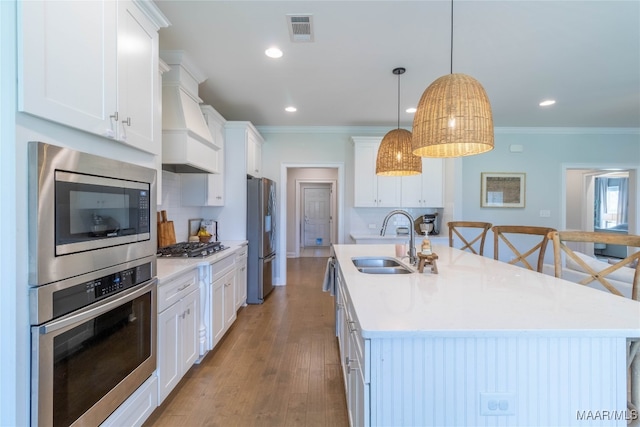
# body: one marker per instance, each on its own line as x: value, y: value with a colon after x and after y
x: 300, y: 28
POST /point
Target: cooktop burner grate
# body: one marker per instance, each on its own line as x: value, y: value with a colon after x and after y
x: 191, y: 249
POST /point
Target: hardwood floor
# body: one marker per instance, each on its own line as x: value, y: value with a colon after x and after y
x: 277, y: 366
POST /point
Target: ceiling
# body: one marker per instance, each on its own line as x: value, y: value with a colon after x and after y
x: 583, y: 54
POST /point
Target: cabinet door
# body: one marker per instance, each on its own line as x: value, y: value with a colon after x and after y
x: 169, y: 364
x: 241, y: 282
x: 254, y: 155
x: 137, y: 73
x: 67, y: 68
x: 365, y: 179
x: 229, y: 299
x: 432, y: 183
x: 412, y: 191
x: 217, y: 311
x: 190, y: 320
x: 389, y: 190
x: 202, y: 189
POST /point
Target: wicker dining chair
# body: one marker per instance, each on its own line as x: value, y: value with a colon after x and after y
x: 603, y: 276
x: 459, y: 227
x: 506, y: 232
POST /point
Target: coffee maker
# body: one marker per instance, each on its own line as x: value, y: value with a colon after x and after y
x: 427, y: 224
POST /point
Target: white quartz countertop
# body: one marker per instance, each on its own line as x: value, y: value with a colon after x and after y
x: 477, y: 295
x: 169, y: 268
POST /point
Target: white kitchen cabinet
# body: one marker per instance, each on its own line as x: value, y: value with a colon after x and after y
x: 103, y: 82
x: 178, y: 322
x: 353, y: 356
x: 223, y: 312
x: 202, y: 189
x: 371, y: 190
x: 254, y: 153
x: 241, y: 277
x: 425, y: 190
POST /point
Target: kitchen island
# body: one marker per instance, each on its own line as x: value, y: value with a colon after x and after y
x: 481, y: 343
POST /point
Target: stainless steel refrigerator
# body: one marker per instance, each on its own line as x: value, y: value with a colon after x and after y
x: 261, y: 233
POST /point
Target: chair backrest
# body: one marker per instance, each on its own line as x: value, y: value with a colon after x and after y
x: 500, y: 232
x: 561, y: 238
x: 468, y: 242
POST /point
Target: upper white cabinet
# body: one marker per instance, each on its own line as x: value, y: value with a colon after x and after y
x: 254, y: 153
x: 371, y: 190
x: 102, y: 82
x: 417, y: 191
x: 427, y: 189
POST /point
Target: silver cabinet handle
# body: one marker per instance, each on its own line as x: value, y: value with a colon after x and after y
x: 352, y: 327
x: 127, y: 122
x: 114, y: 116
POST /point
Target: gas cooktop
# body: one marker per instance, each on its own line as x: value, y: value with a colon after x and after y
x: 191, y: 249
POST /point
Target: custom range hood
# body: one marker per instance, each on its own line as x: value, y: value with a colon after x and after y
x: 187, y: 143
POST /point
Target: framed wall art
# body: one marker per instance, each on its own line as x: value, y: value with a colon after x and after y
x: 502, y: 190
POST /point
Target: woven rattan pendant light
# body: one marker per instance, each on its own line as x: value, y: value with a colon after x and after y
x: 395, y: 156
x: 454, y: 117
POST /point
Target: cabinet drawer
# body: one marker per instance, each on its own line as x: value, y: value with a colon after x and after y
x: 221, y: 267
x: 176, y: 289
x: 242, y: 253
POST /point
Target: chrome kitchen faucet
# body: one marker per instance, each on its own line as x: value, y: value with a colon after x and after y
x: 413, y: 259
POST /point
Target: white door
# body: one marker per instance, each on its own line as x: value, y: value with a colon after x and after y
x: 317, y: 216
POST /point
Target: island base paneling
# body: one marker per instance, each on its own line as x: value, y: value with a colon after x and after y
x: 551, y: 381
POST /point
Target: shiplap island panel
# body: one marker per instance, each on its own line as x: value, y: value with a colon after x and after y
x: 443, y: 349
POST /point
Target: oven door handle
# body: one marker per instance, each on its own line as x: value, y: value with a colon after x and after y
x: 97, y: 309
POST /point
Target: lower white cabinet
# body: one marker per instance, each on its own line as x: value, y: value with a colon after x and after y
x: 241, y: 276
x: 223, y: 311
x: 353, y: 356
x: 178, y: 322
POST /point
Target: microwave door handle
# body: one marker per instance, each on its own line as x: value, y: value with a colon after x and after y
x: 97, y: 309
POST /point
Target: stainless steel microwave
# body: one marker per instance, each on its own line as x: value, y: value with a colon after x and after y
x: 86, y: 213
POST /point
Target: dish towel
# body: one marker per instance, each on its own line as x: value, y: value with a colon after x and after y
x: 328, y: 285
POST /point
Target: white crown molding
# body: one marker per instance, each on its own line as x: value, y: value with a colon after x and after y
x: 381, y: 130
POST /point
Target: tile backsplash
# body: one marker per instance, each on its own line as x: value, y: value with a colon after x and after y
x: 172, y: 203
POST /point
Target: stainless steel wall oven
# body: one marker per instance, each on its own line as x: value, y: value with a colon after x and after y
x: 93, y: 286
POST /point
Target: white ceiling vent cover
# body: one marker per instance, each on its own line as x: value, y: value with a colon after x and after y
x: 300, y: 27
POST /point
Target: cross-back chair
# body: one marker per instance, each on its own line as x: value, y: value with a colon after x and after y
x: 597, y: 271
x: 506, y: 232
x: 455, y: 227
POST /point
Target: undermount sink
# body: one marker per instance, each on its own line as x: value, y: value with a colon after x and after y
x: 380, y: 265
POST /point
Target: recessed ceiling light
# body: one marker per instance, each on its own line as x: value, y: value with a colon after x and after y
x: 411, y: 110
x: 547, y: 102
x: 291, y: 109
x: 273, y: 52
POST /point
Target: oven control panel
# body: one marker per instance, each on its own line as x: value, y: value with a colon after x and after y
x: 70, y: 299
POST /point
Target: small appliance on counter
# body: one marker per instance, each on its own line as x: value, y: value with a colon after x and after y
x: 427, y: 224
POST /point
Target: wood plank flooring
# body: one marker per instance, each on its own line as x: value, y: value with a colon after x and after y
x: 278, y: 365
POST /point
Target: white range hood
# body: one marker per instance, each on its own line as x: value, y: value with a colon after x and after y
x: 187, y: 143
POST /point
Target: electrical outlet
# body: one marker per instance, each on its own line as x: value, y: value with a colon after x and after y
x: 545, y: 213
x: 372, y: 226
x: 497, y: 403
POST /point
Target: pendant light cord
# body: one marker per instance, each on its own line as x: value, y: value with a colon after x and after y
x: 451, y: 64
x: 399, y: 100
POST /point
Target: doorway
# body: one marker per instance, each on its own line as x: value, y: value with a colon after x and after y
x: 315, y: 218
x: 292, y: 175
x: 581, y: 189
